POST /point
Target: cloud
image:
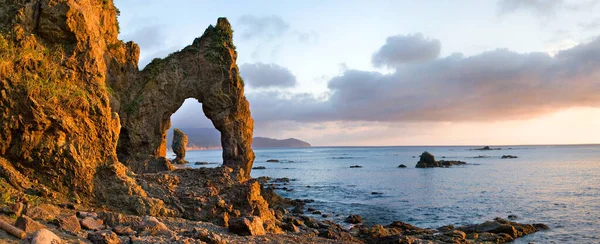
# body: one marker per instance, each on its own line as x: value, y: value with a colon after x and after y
x: 544, y: 7
x: 269, y: 27
x: 491, y: 86
x: 260, y: 75
x: 591, y: 25
x: 309, y: 37
x: 402, y: 49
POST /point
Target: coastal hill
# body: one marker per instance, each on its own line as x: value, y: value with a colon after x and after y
x: 210, y: 139
x: 264, y: 142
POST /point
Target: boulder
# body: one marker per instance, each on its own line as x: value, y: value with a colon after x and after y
x: 150, y: 226
x: 44, y: 236
x: 353, y: 219
x: 104, y: 237
x: 41, y: 214
x: 427, y: 160
x: 28, y: 225
x: 90, y: 223
x: 179, y: 145
x: 69, y: 224
x: 247, y: 226
x: 124, y: 230
x: 402, y: 166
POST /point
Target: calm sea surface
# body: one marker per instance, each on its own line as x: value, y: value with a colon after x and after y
x: 555, y: 185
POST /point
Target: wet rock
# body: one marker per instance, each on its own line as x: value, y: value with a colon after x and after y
x: 512, y: 217
x: 427, y: 160
x: 353, y: 219
x: 446, y: 228
x: 448, y: 163
x: 179, y: 145
x: 44, y: 236
x: 90, y: 223
x: 123, y: 230
x: 291, y: 227
x: 28, y: 225
x: 259, y: 167
x: 402, y: 166
x: 508, y: 156
x: 69, y: 224
x: 355, y: 166
x: 273, y: 161
x: 104, y: 237
x: 247, y: 226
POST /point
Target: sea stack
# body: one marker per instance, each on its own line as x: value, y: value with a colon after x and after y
x: 179, y: 144
x: 427, y: 160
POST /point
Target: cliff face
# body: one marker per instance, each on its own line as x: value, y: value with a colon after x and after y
x: 56, y: 123
x: 71, y: 97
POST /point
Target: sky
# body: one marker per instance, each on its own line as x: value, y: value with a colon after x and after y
x: 391, y: 72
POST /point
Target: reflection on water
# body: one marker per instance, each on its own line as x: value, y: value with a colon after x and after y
x: 556, y: 185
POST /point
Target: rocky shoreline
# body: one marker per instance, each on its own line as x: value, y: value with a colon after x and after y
x: 207, y: 206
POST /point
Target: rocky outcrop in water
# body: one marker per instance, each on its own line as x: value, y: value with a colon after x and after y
x: 179, y: 145
x: 427, y: 160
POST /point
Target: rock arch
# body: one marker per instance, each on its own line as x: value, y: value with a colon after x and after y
x: 206, y: 71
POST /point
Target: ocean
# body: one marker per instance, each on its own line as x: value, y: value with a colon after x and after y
x: 555, y: 185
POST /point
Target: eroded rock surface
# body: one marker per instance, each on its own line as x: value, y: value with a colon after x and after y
x: 205, y: 70
x: 73, y: 101
x: 179, y: 144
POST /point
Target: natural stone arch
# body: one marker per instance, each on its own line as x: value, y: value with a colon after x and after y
x: 206, y: 71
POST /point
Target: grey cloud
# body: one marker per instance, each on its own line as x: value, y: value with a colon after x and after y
x: 262, y: 27
x: 402, y: 49
x: 261, y: 75
x: 494, y: 85
x: 544, y: 7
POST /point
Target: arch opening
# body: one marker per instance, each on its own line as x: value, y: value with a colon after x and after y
x: 201, y: 133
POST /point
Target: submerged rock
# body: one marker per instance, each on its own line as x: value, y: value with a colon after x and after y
x: 353, y: 219
x: 260, y: 167
x: 272, y: 161
x: 355, y: 166
x: 179, y: 145
x: 508, y: 156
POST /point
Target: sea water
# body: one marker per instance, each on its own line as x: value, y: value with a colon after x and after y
x: 555, y: 185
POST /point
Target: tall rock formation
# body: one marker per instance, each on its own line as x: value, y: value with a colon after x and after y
x: 206, y: 71
x: 179, y: 144
x: 72, y: 99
